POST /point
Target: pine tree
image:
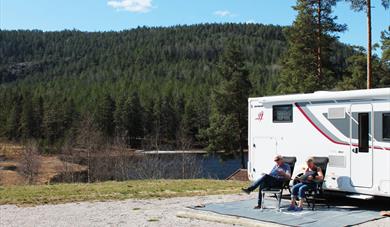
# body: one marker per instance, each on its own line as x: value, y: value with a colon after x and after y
x: 13, y: 121
x: 359, y: 5
x: 38, y: 117
x: 104, y: 116
x: 51, y: 123
x: 385, y: 40
x: 70, y: 114
x: 312, y: 30
x: 70, y: 118
x: 27, y: 118
x: 168, y: 120
x: 356, y: 73
x: 190, y: 124
x: 133, y: 119
x: 119, y: 116
x: 228, y: 121
x: 157, y: 127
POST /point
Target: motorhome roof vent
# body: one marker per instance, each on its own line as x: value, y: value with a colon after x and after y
x: 336, y: 113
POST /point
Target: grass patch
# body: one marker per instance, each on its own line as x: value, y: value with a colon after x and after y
x: 137, y: 189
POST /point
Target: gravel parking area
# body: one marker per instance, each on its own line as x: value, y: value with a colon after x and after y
x: 131, y: 212
x: 154, y: 212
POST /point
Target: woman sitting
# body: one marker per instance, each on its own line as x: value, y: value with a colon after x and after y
x: 308, y: 180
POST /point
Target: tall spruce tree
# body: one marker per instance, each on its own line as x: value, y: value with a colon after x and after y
x: 105, y: 116
x: 52, y: 122
x: 38, y: 117
x: 133, y: 119
x: 168, y: 120
x: 119, y: 117
x: 190, y: 124
x: 13, y: 121
x: 309, y: 46
x: 27, y: 118
x: 228, y: 121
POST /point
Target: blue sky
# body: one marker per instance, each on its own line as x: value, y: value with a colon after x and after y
x: 104, y: 15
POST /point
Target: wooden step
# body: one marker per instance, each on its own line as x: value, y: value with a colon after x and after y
x: 240, y: 175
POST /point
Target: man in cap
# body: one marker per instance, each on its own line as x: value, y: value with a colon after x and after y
x: 279, y: 173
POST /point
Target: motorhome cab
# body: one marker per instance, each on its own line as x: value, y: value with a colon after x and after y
x: 351, y: 128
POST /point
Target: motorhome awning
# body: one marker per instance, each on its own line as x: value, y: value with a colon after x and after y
x: 372, y: 94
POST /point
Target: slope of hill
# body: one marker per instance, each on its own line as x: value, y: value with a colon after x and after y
x: 166, y: 74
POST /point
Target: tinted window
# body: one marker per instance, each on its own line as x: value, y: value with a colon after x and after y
x: 363, y: 132
x: 282, y: 113
x: 386, y: 126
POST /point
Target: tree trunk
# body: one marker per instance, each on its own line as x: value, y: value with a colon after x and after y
x: 319, y: 64
x: 182, y: 164
x: 242, y: 151
x: 241, y: 142
x: 89, y: 166
x: 369, y: 46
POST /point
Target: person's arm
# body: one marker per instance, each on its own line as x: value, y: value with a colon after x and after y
x: 272, y: 170
x: 320, y: 176
x: 286, y: 174
x: 306, y: 177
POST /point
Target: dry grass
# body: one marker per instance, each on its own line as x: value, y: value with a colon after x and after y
x: 139, y: 189
x: 10, y: 150
x: 10, y: 177
x: 50, y: 166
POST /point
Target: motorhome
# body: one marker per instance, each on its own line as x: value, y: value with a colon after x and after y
x: 351, y: 128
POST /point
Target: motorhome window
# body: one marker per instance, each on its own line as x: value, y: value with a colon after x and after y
x: 282, y: 113
x: 363, y: 132
x: 386, y: 126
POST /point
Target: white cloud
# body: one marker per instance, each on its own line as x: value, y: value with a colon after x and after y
x: 223, y: 13
x: 134, y: 6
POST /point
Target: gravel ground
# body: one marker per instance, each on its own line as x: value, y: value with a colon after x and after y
x: 153, y: 212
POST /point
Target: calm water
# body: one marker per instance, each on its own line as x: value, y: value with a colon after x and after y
x: 157, y: 166
x: 216, y: 166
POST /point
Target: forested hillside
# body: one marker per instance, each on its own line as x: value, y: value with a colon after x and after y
x: 151, y: 86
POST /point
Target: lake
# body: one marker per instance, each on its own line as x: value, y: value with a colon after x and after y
x: 144, y: 165
x: 213, y: 165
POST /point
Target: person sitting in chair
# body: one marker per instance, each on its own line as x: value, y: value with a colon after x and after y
x: 278, y: 175
x: 308, y: 180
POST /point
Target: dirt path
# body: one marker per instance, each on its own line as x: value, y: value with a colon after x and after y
x: 152, y: 212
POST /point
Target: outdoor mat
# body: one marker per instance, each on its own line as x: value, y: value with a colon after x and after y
x: 321, y: 216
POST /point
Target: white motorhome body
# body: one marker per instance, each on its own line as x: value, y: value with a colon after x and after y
x: 351, y: 128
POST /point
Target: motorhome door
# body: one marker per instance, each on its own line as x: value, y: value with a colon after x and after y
x: 361, y: 129
x: 264, y: 150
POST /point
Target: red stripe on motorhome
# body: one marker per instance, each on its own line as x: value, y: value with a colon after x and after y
x: 328, y: 137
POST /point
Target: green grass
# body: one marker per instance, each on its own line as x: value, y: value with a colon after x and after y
x: 138, y: 189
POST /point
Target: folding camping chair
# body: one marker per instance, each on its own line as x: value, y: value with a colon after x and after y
x: 278, y: 191
x: 316, y: 194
